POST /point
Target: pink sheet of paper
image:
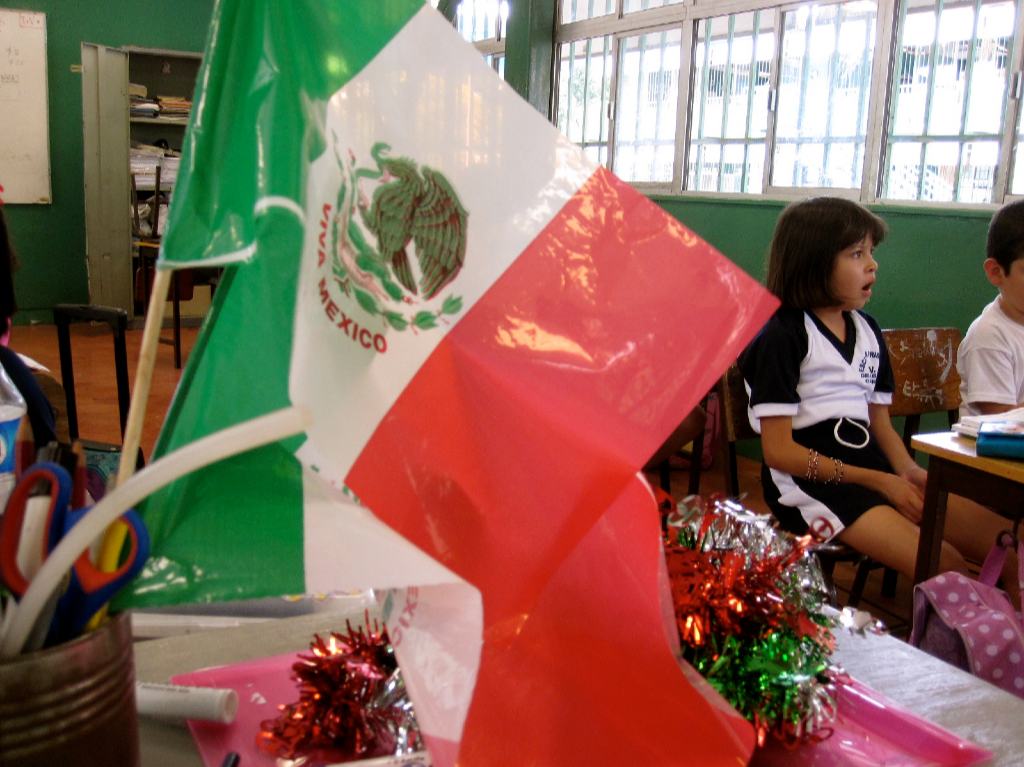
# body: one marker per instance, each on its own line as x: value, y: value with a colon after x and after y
x: 870, y: 729
x: 262, y: 685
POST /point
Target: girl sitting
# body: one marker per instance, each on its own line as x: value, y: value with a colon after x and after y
x: 820, y: 384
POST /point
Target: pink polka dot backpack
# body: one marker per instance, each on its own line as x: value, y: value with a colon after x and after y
x: 971, y: 623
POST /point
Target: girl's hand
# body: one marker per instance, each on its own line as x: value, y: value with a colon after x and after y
x: 904, y: 495
x: 915, y: 475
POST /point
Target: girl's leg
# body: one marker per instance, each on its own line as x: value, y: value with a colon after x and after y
x: 887, y: 536
x: 972, y: 529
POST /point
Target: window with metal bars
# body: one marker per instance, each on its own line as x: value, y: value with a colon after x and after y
x: 484, y: 23
x: 645, y: 136
x: 584, y: 94
x: 729, y: 116
x: 947, y: 107
x: 822, y: 111
x: 876, y: 99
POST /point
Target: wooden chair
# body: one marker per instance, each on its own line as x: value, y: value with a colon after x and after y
x: 926, y: 381
x: 924, y: 368
x: 736, y: 427
x: 690, y: 431
x: 732, y: 395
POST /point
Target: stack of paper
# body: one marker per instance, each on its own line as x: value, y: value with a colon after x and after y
x: 969, y: 425
x: 143, y: 164
x: 143, y: 107
x: 174, y: 106
x: 169, y: 171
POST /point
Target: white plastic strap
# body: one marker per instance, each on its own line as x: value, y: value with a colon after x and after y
x: 862, y: 427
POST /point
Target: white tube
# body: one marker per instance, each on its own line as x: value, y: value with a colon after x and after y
x: 173, y: 701
x: 227, y: 442
x: 415, y: 759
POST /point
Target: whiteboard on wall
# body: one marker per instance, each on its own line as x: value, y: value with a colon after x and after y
x: 24, y: 123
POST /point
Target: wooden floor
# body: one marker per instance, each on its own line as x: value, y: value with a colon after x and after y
x: 92, y: 348
x: 96, y: 392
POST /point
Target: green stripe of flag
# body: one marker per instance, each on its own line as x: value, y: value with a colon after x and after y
x: 269, y: 69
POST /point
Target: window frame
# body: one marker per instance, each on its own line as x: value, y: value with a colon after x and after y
x: 1006, y: 136
x: 491, y: 46
x: 874, y: 110
x: 888, y: 31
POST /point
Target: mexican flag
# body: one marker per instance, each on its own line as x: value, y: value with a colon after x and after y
x: 492, y: 334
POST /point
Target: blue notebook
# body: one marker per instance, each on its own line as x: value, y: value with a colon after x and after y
x: 1001, y: 439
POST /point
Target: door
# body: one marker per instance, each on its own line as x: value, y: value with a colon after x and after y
x: 108, y: 240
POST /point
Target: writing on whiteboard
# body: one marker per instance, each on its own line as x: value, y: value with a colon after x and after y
x: 24, y: 137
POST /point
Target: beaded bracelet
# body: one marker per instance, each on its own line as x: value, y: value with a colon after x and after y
x: 837, y: 472
x: 812, y: 466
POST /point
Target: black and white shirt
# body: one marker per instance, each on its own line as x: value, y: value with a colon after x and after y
x: 797, y: 367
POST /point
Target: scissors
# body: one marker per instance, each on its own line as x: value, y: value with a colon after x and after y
x: 28, y: 532
x: 88, y: 588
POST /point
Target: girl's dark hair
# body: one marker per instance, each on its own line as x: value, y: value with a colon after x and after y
x: 808, y: 236
x: 1006, y: 235
x: 7, y: 263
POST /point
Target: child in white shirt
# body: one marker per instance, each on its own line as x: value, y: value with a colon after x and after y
x: 991, y: 356
x: 820, y: 385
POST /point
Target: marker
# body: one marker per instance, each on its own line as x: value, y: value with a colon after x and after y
x: 231, y: 759
x: 172, y: 701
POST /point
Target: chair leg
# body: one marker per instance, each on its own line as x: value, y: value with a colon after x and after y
x: 732, y: 473
x: 696, y: 456
x: 828, y: 567
x: 860, y: 580
x: 665, y: 476
x: 693, y: 487
x: 889, y: 583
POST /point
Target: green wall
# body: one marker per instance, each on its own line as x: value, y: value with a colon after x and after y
x: 50, y: 239
x: 929, y: 266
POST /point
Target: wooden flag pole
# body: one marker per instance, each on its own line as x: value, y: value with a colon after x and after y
x: 113, y: 539
x: 144, y: 373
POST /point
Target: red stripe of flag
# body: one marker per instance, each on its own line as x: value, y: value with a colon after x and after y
x: 531, y: 420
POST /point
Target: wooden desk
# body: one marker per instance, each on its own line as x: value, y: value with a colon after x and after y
x: 954, y: 467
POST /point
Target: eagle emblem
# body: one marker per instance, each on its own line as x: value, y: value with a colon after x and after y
x: 397, y: 239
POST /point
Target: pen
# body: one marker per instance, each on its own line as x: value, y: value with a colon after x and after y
x: 231, y: 759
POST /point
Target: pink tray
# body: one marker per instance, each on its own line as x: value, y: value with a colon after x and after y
x: 871, y: 730
x: 262, y: 685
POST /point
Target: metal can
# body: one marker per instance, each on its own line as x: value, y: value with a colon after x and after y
x: 73, y: 704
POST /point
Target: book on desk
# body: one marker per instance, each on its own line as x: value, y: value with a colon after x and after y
x: 1001, y: 439
x: 969, y: 426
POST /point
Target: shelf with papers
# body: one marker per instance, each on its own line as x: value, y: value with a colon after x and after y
x: 181, y: 121
x: 137, y: 135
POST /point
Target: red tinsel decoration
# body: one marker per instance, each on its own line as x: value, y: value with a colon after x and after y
x: 733, y: 590
x: 747, y: 607
x: 351, y: 705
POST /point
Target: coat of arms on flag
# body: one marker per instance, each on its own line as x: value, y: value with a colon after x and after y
x: 492, y: 335
x: 391, y: 249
